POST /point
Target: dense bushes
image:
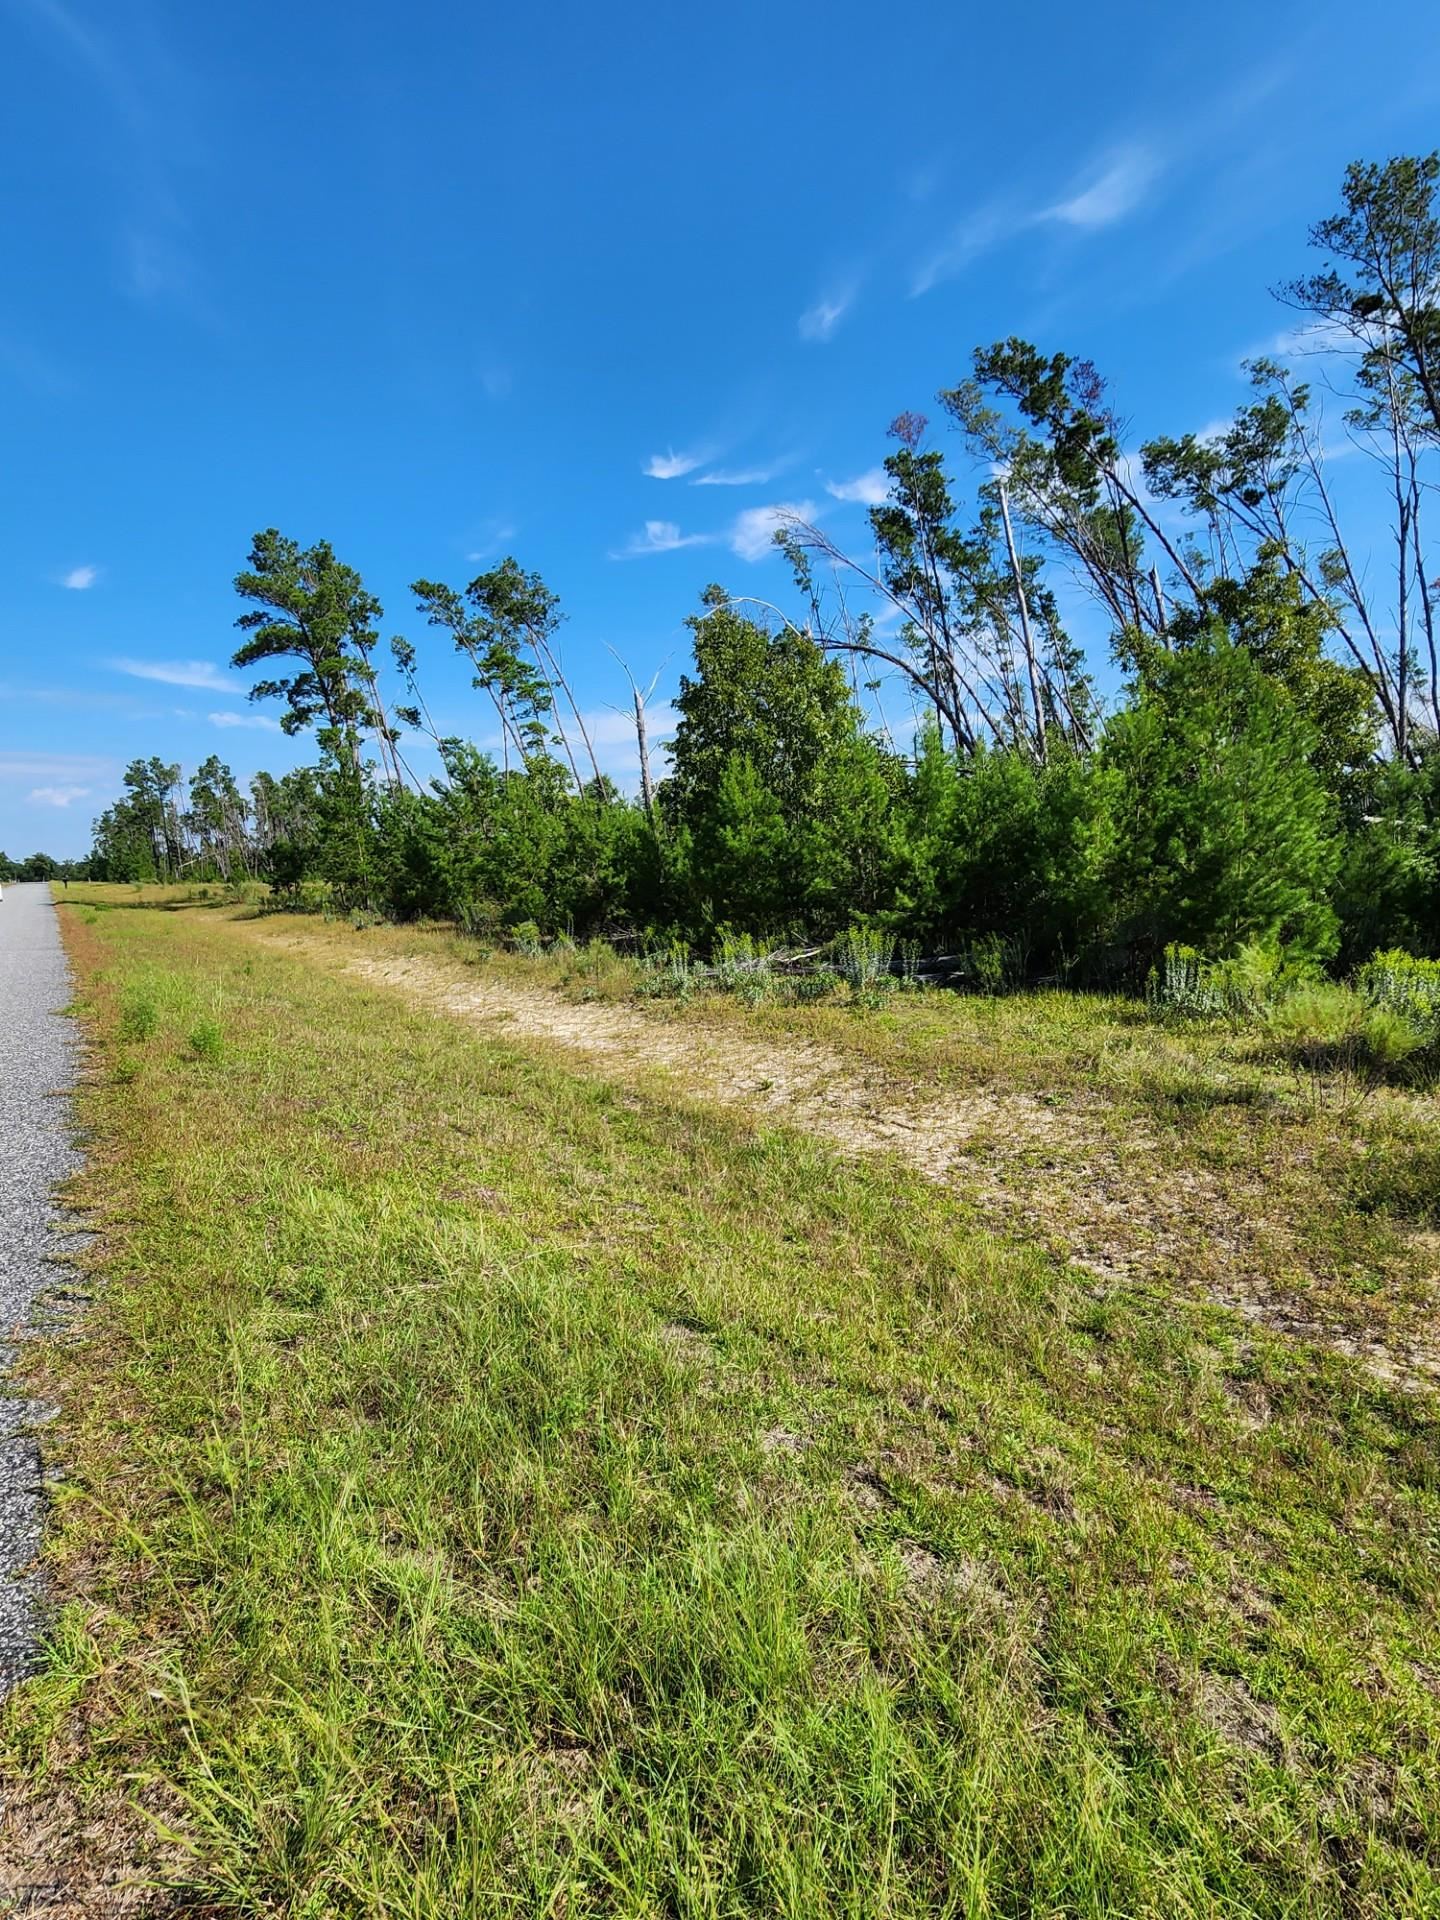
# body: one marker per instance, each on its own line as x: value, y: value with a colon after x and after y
x: 1201, y: 817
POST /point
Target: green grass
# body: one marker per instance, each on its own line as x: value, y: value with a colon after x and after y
x: 494, y: 1490
x: 1197, y: 1153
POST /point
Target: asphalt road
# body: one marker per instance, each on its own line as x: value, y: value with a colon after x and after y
x: 38, y: 1060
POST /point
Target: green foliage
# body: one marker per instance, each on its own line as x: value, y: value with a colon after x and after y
x: 1224, y: 833
x: 207, y: 1039
x: 139, y: 1014
x: 863, y: 956
x: 1397, y: 982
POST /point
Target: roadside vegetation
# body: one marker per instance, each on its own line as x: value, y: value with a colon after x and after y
x: 850, y: 1334
x: 493, y: 1483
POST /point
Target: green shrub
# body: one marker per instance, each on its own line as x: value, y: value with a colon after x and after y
x: 1330, y: 1027
x: 741, y: 965
x: 820, y: 984
x: 863, y: 957
x: 139, y: 1015
x: 207, y: 1041
x: 667, y: 972
x: 1399, y: 983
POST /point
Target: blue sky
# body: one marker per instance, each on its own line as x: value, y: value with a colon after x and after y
x: 598, y: 286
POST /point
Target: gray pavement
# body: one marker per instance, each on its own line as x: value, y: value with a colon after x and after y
x: 38, y: 1061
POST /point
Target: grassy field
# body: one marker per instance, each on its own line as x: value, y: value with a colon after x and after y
x: 498, y: 1486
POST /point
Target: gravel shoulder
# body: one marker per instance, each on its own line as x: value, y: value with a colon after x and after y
x: 38, y: 1066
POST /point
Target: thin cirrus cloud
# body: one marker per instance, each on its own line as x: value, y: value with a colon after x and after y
x: 738, y: 476
x: 819, y: 322
x: 750, y: 535
x: 63, y: 769
x: 178, y: 673
x: 261, y: 720
x: 80, y: 579
x: 972, y: 236
x: 1113, y: 193
x: 671, y: 465
x: 660, y: 536
x: 57, y: 796
x: 133, y: 70
x: 869, y: 489
x: 1107, y: 195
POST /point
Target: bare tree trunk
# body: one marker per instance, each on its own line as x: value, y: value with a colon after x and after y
x: 1161, y: 614
x: 1026, y: 636
x: 1427, y: 601
x: 642, y: 742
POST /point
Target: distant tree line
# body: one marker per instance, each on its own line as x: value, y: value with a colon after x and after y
x: 1270, y: 774
x: 42, y: 866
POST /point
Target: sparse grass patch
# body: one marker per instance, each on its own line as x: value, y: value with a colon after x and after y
x: 497, y: 1489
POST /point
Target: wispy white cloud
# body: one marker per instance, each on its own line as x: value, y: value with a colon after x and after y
x: 752, y: 536
x: 740, y: 476
x: 920, y: 182
x: 1306, y: 339
x: 819, y: 322
x: 660, y: 536
x: 673, y: 466
x: 260, y: 720
x: 980, y: 230
x: 178, y: 673
x: 1112, y: 193
x: 869, y: 488
x: 57, y: 796
x: 80, y: 579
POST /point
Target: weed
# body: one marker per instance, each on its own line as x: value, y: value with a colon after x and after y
x: 139, y: 1015
x: 207, y: 1040
x: 862, y: 958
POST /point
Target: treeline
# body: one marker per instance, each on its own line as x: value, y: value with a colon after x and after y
x: 42, y: 866
x: 1270, y: 775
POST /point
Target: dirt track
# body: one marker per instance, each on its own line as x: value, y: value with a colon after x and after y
x: 1057, y: 1169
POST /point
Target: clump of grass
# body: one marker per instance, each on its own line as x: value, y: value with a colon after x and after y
x: 1403, y: 1181
x: 819, y: 984
x: 1330, y: 1028
x: 207, y: 1039
x: 139, y: 1014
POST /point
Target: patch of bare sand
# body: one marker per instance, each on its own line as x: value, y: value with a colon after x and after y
x: 92, y: 1862
x: 1051, y: 1168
